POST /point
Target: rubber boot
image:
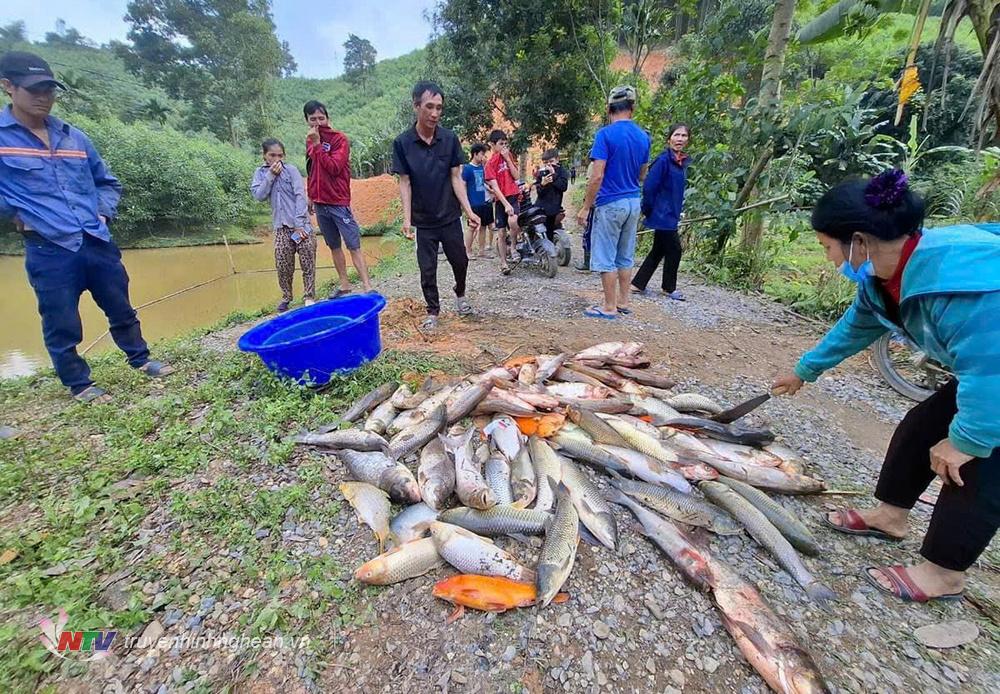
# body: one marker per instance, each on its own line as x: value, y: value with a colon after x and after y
x: 584, y: 264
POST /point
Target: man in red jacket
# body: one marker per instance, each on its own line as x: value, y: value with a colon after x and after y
x: 328, y: 167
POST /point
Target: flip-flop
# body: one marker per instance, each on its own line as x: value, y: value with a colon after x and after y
x: 93, y: 394
x: 339, y: 293
x: 624, y: 311
x: 903, y: 586
x: 594, y: 312
x: 505, y: 270
x: 854, y: 524
x: 155, y: 369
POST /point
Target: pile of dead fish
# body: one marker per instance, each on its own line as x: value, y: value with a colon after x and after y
x: 509, y: 443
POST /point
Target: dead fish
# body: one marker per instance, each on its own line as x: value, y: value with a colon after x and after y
x: 437, y: 398
x: 540, y: 401
x: 379, y: 470
x: 638, y: 424
x: 497, y: 475
x: 472, y: 554
x: 768, y: 645
x: 594, y: 511
x: 598, y: 429
x: 412, y: 523
x: 684, y: 508
x: 502, y: 402
x: 768, y: 536
x: 555, y: 561
x: 607, y: 378
x: 408, y: 560
x: 370, y: 400
x: 582, y: 449
x: 497, y: 374
x: 609, y: 405
x: 381, y: 417
x: 522, y: 477
x: 579, y: 390
x: 527, y: 373
x: 742, y: 454
x: 416, y: 398
x: 724, y: 432
x: 435, y: 475
x: 642, y: 442
x: 645, y: 377
x: 354, y: 439
x: 648, y: 469
x: 782, y: 519
x: 791, y: 462
x: 505, y: 436
x: 657, y: 410
x: 548, y: 367
x: 470, y: 486
x: 400, y: 397
x: 498, y: 520
x: 462, y: 403
x: 569, y: 376
x: 694, y: 402
x: 416, y: 436
x: 769, y: 478
x: 606, y: 350
x: 547, y: 465
x: 404, y: 420
x: 371, y: 505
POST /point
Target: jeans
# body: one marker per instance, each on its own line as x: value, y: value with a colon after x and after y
x: 612, y: 239
x: 59, y: 277
x: 666, y: 247
x: 451, y: 238
x: 965, y: 519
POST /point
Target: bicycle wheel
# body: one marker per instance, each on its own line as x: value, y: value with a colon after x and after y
x: 892, y: 359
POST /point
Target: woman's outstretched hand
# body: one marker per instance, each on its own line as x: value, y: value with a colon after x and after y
x: 787, y: 384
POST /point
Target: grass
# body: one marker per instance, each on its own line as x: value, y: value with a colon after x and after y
x: 173, y: 477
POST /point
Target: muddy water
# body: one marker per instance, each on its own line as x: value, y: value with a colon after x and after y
x: 156, y: 273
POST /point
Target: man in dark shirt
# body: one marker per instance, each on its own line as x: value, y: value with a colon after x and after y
x: 550, y: 184
x: 428, y: 159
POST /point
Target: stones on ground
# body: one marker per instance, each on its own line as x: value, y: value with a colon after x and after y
x: 565, y: 619
x: 151, y: 634
x: 509, y: 654
x: 677, y: 677
x: 651, y: 666
x: 709, y: 664
x: 601, y: 630
x: 458, y: 678
x: 947, y: 634
x: 587, y: 663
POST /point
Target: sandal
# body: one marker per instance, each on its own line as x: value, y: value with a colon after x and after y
x: 430, y: 323
x: 93, y: 395
x: 339, y: 293
x: 853, y: 524
x: 595, y: 312
x: 505, y: 270
x: 155, y: 369
x: 462, y: 306
x: 903, y: 586
x: 624, y: 311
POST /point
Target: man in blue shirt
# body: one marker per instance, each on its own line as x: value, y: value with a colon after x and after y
x: 474, y: 175
x: 619, y: 155
x: 60, y: 196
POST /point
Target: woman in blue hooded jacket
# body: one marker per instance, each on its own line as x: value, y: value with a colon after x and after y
x: 662, y: 203
x: 941, y: 287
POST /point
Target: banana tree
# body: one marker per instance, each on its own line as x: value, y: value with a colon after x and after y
x: 851, y: 16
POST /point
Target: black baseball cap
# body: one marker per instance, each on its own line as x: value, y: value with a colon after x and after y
x: 27, y: 70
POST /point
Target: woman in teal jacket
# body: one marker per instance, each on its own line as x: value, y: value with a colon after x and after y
x: 940, y: 287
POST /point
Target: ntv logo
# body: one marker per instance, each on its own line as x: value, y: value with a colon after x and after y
x: 59, y: 642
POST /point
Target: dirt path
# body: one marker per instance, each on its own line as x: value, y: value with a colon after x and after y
x: 661, y: 635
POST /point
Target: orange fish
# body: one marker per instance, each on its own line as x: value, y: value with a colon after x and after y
x: 544, y: 425
x: 487, y: 593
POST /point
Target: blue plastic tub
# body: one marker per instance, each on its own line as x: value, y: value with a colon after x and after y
x: 313, y: 343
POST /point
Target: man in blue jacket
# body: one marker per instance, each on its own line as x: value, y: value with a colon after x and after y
x: 60, y: 196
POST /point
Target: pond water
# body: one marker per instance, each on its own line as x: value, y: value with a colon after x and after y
x: 156, y: 273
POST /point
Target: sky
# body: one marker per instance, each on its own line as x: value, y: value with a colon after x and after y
x: 316, y: 31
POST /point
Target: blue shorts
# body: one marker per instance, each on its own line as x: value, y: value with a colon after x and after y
x: 612, y: 235
x: 336, y: 222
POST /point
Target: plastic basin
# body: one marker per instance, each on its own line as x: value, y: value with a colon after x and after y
x: 312, y: 343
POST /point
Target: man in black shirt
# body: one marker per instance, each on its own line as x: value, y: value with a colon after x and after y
x: 550, y: 184
x: 428, y: 159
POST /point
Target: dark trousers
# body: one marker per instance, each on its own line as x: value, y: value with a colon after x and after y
x: 666, y: 247
x: 59, y: 277
x: 965, y: 518
x: 450, y: 238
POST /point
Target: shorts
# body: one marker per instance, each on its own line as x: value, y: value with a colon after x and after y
x: 336, y: 222
x: 500, y: 213
x: 485, y: 214
x: 613, y: 233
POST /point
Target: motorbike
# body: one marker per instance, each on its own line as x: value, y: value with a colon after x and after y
x: 540, y: 248
x: 906, y: 368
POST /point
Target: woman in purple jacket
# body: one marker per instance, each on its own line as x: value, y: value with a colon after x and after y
x: 662, y: 203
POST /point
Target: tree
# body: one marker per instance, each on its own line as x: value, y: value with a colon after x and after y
x: 541, y: 66
x: 853, y: 16
x: 222, y: 56
x: 155, y: 110
x: 359, y: 59
x: 66, y: 36
x: 12, y: 33
x: 644, y: 23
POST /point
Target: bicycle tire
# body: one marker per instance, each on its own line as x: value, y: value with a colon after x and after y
x: 882, y: 361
